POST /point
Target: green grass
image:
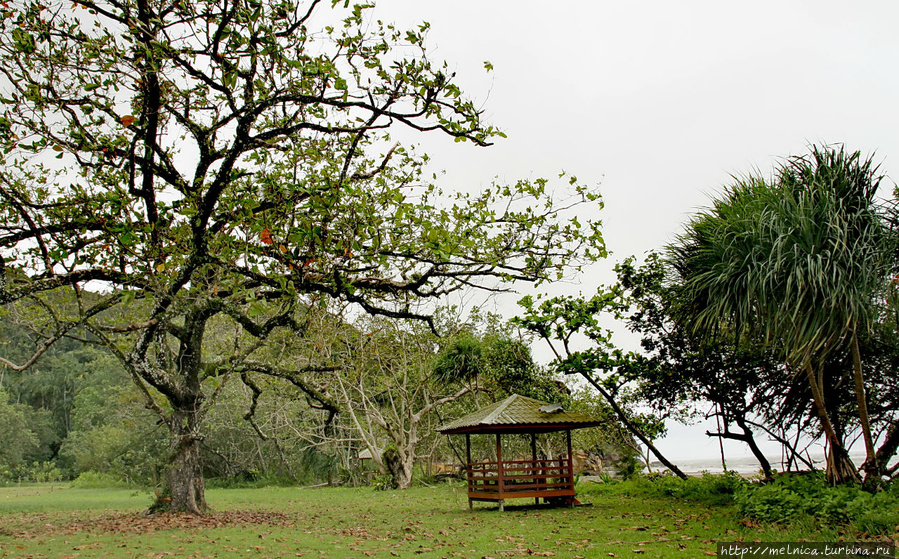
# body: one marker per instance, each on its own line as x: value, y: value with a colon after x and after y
x: 60, y: 497
x: 623, y: 521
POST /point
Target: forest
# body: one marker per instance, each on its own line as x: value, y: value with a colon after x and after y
x: 219, y: 265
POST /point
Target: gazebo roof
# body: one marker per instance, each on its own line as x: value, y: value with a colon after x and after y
x: 519, y: 414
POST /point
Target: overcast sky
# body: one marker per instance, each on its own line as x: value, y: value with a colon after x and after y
x: 659, y: 102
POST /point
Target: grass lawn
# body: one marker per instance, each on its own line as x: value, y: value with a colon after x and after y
x: 62, y: 522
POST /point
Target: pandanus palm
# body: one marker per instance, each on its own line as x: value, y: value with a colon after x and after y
x: 800, y: 260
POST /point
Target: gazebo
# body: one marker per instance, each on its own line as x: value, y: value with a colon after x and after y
x: 549, y: 479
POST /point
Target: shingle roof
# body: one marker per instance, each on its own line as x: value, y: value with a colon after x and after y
x: 518, y: 413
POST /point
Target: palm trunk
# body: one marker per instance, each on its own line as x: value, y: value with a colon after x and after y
x: 840, y: 468
x: 871, y: 466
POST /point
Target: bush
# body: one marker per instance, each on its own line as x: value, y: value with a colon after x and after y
x: 384, y: 482
x: 711, y: 489
x: 98, y: 480
x: 628, y: 467
x: 809, y: 497
x: 250, y: 479
x: 36, y: 472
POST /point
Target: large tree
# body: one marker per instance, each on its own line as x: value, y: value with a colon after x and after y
x: 218, y: 160
x: 802, y: 260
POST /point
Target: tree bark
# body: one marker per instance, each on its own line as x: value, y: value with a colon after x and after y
x: 840, y: 468
x: 749, y: 438
x: 871, y: 465
x: 889, y: 447
x: 398, y: 467
x: 185, y: 487
x: 633, y: 429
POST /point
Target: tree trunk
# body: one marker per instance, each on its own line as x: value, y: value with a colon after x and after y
x: 840, y: 468
x: 399, y: 466
x: 747, y: 437
x: 889, y: 447
x: 871, y: 465
x: 404, y: 479
x: 633, y: 429
x: 185, y: 487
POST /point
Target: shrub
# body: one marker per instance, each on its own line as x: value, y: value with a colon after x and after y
x: 251, y: 479
x: 36, y: 472
x: 809, y: 497
x: 98, y: 480
x: 711, y: 489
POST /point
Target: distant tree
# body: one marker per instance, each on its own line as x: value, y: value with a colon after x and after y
x: 494, y: 364
x: 19, y: 441
x: 802, y: 260
x: 387, y: 394
x: 209, y: 161
x: 111, y: 430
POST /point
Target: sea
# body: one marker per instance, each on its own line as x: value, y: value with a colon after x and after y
x: 746, y: 465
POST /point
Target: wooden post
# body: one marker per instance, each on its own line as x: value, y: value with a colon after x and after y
x: 570, y: 467
x: 534, y: 465
x: 499, y: 469
x: 468, y: 467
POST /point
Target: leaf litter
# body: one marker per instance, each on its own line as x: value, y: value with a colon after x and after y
x: 142, y: 523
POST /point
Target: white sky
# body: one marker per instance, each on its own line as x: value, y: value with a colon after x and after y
x: 660, y: 102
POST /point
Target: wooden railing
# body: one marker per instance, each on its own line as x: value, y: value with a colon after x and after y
x: 512, y: 479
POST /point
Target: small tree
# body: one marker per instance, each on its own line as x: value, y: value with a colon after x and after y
x: 231, y: 161
x: 387, y: 394
x: 679, y: 371
x: 563, y: 322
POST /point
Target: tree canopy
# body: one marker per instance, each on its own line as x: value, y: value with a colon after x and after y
x: 231, y: 162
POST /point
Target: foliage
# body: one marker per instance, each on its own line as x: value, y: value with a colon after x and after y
x: 628, y: 467
x: 483, y: 354
x: 682, y: 373
x: 798, y: 257
x: 34, y: 472
x: 801, y: 260
x: 112, y: 433
x: 563, y: 322
x: 97, y: 480
x: 18, y: 440
x: 707, y: 489
x: 793, y: 498
x: 711, y: 489
x: 172, y: 169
